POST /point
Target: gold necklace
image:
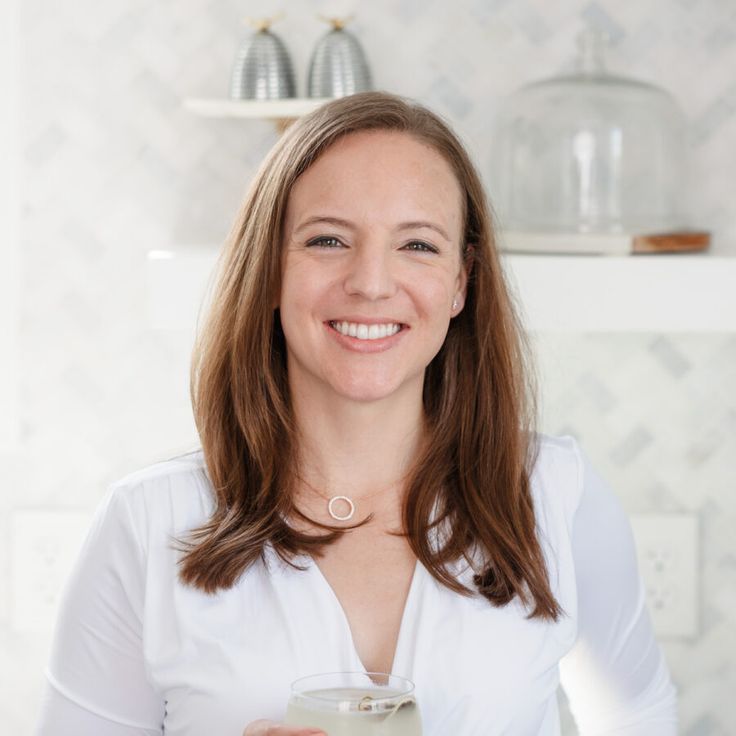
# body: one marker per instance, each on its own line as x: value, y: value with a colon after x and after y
x: 331, y: 500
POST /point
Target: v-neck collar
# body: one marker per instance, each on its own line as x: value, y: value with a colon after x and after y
x: 407, y: 614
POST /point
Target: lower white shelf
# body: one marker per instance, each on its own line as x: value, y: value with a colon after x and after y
x: 657, y: 293
x: 654, y: 293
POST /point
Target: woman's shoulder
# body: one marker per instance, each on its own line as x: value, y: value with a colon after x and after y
x: 557, y: 454
x: 184, y: 471
x: 557, y: 476
x: 174, y: 494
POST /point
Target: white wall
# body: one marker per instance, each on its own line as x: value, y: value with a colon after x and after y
x: 10, y: 219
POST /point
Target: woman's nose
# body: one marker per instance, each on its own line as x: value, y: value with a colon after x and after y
x: 370, y: 272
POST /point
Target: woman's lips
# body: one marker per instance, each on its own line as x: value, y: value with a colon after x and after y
x: 357, y: 345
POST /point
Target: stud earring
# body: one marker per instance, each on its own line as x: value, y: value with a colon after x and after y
x: 454, y: 304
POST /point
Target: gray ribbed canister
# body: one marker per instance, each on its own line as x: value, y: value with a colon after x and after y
x: 262, y: 68
x: 338, y: 66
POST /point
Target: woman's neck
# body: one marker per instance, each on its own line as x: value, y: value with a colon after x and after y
x: 357, y: 448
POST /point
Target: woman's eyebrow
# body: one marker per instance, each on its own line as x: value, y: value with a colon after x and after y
x: 340, y: 222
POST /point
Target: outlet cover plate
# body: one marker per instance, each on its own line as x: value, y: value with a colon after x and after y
x: 667, y: 549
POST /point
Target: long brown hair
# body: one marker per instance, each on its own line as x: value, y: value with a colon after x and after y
x: 472, y: 472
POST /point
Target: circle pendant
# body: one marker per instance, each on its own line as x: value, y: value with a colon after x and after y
x: 337, y: 517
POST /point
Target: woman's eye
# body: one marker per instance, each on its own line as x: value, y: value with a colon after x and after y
x: 325, y: 241
x: 423, y: 247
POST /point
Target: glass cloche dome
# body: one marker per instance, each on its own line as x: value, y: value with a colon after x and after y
x: 589, y: 152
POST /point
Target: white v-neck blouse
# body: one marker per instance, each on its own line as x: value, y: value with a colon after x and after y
x: 136, y: 652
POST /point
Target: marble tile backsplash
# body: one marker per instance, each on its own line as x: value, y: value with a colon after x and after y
x: 113, y: 166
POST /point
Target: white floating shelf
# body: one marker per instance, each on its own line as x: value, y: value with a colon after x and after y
x: 657, y: 293
x: 271, y: 109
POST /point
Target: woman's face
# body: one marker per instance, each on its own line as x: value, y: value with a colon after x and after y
x: 372, y: 239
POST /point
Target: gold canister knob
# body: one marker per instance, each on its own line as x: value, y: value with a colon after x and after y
x: 337, y: 23
x: 263, y: 24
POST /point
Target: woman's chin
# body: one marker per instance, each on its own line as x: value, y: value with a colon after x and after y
x: 366, y: 391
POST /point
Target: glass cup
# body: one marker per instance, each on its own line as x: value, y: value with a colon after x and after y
x: 355, y: 704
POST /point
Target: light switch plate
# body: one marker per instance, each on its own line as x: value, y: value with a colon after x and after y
x: 44, y: 547
x: 667, y: 549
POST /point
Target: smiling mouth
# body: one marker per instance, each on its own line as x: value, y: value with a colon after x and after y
x: 367, y: 332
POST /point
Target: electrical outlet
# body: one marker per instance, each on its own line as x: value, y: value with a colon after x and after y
x: 667, y: 548
x: 45, y: 544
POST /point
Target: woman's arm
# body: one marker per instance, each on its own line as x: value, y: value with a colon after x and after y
x: 615, y: 676
x: 59, y: 715
x: 97, y: 684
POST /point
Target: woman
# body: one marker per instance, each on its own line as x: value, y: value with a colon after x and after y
x: 370, y: 493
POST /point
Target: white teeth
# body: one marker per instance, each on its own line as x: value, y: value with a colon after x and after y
x: 366, y: 332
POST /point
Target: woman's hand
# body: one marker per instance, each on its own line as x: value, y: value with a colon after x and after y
x: 272, y: 728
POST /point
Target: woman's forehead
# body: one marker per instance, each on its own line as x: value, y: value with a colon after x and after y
x: 388, y: 171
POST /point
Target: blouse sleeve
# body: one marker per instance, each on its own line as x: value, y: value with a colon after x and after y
x: 97, y: 683
x: 615, y: 676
